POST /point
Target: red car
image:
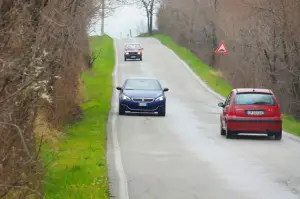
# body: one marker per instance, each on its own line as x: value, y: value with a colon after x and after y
x: 251, y: 110
x: 133, y: 51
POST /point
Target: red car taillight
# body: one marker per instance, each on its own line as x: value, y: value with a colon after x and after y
x: 231, y: 111
x: 277, y: 111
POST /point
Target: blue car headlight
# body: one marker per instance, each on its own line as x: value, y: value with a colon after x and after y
x: 161, y: 98
x: 124, y: 97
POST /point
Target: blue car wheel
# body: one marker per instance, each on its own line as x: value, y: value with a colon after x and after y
x: 121, y: 110
x: 162, y: 111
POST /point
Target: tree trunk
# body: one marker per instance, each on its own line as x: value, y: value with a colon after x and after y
x: 214, y: 44
x: 150, y: 24
x: 151, y: 17
x: 102, y: 17
x: 148, y: 21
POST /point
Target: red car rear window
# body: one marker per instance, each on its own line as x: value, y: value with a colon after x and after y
x: 255, y: 99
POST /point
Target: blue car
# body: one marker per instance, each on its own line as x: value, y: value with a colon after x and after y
x: 142, y: 95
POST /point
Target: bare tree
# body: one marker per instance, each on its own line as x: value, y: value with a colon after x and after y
x: 104, y: 9
x: 150, y: 7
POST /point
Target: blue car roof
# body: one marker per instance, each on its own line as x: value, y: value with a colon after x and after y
x: 142, y: 78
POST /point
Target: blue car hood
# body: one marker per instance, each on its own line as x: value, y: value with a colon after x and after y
x: 142, y: 93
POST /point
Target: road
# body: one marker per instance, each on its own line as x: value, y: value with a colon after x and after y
x: 182, y: 155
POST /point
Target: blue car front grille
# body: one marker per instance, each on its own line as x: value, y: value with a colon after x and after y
x: 143, y: 99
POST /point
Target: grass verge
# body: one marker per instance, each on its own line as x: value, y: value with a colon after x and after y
x: 77, y: 168
x: 208, y: 74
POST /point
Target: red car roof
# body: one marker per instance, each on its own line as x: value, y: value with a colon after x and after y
x: 254, y: 90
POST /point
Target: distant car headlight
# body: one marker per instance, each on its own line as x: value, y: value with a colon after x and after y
x: 139, y: 53
x: 161, y: 98
x: 124, y: 97
x: 127, y: 53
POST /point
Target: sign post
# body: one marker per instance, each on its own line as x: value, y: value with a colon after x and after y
x: 222, y: 49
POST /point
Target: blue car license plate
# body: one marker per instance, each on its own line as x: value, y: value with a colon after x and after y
x: 142, y: 104
x: 255, y: 112
x: 132, y: 56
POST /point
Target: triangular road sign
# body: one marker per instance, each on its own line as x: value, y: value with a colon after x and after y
x: 222, y: 49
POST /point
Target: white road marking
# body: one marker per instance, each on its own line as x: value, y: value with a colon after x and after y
x: 122, y: 183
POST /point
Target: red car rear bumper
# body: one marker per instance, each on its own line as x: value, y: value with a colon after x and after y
x: 254, y: 125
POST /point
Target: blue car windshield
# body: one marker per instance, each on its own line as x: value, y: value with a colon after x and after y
x: 142, y: 84
x: 254, y: 99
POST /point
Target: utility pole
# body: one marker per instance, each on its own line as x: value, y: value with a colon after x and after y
x: 130, y: 33
x: 102, y: 17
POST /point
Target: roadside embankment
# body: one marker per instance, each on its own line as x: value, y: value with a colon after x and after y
x: 76, y: 166
x: 215, y: 78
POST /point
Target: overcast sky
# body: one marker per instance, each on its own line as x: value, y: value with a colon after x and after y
x: 124, y: 19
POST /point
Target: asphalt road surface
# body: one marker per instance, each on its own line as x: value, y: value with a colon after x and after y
x: 182, y: 155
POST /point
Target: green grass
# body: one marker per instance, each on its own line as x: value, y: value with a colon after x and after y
x: 291, y: 125
x: 208, y: 75
x: 78, y: 169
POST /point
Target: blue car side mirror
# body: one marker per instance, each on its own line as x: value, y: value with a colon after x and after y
x: 166, y: 89
x: 119, y: 88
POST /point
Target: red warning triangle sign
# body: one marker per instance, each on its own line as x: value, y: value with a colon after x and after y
x: 222, y: 49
